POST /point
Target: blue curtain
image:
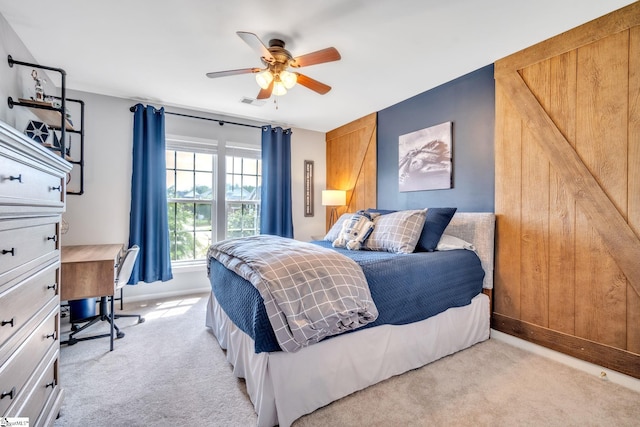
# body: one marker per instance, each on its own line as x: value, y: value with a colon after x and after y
x: 148, y: 222
x: 275, y: 210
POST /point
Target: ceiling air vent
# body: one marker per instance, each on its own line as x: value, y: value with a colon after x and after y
x: 251, y: 101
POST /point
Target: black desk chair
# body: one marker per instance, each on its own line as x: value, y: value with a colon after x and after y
x: 125, y: 269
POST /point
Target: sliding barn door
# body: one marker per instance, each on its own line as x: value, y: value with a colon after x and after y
x: 352, y: 163
x: 568, y: 192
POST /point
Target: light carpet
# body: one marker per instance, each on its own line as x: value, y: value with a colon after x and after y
x: 170, y: 370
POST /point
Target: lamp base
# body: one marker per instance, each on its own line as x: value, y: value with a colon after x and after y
x: 333, y: 217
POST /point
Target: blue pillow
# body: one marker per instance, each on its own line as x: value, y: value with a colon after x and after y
x: 434, y: 225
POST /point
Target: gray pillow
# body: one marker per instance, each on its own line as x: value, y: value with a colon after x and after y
x: 396, y: 232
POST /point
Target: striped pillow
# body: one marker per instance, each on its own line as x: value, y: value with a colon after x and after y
x: 396, y: 232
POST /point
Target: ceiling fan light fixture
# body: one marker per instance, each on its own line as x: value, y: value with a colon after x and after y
x: 288, y: 79
x: 279, y: 88
x: 264, y: 79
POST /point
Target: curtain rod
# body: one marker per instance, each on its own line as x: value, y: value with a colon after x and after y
x: 220, y: 122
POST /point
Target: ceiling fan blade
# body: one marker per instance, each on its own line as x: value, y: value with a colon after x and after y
x: 312, y: 84
x: 318, y: 57
x: 256, y: 44
x: 265, y: 93
x: 233, y: 72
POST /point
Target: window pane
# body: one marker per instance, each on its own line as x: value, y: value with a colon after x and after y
x: 171, y: 184
x: 251, y: 185
x: 202, y: 243
x: 184, y: 245
x: 203, y: 217
x: 249, y: 217
x: 250, y: 167
x: 185, y: 217
x: 204, y: 162
x: 172, y: 217
x: 171, y: 159
x: 184, y: 160
x: 237, y: 165
x: 184, y: 184
x: 204, y: 181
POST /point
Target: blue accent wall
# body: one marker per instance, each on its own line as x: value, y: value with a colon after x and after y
x: 468, y: 102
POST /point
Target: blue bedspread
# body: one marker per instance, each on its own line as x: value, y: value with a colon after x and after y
x: 406, y: 288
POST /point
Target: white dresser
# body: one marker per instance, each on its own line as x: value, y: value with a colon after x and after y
x: 32, y: 199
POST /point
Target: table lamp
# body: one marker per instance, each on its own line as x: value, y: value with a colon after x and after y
x: 334, y: 198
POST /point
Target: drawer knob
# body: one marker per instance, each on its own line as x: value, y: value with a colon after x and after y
x: 54, y: 238
x: 58, y: 188
x: 52, y: 384
x: 53, y: 336
x: 15, y: 178
x: 8, y: 322
x: 54, y: 286
x: 9, y: 393
x: 12, y: 252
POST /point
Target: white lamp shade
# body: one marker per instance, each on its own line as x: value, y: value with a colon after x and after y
x: 334, y: 197
x: 288, y: 79
x: 278, y: 88
x: 264, y: 79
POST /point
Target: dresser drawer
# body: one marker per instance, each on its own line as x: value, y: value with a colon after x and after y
x: 25, y: 184
x: 43, y: 385
x: 22, y: 301
x: 20, y: 366
x: 22, y: 241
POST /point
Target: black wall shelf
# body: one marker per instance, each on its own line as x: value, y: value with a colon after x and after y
x: 55, y: 118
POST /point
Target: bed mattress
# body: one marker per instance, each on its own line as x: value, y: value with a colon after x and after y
x: 406, y: 288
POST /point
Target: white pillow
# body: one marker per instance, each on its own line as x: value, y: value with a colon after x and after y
x: 335, y: 230
x: 448, y: 243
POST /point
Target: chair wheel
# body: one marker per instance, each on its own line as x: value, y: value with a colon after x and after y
x: 74, y: 327
x: 141, y: 320
x: 72, y: 341
x: 120, y: 335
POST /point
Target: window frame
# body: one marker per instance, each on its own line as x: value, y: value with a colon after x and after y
x: 220, y: 150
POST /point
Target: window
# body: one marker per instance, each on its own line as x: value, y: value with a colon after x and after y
x: 190, y: 201
x: 195, y: 219
x: 243, y: 186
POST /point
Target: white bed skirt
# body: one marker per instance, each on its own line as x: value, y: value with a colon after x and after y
x: 284, y: 386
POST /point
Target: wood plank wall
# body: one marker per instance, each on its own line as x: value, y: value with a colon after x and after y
x: 568, y: 192
x: 352, y: 163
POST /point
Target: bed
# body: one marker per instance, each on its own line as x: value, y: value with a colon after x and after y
x: 284, y: 386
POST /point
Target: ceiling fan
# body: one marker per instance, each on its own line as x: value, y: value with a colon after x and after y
x: 275, y: 78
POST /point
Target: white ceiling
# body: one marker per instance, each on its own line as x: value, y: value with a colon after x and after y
x: 158, y: 51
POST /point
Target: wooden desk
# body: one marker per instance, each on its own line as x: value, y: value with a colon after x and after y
x: 89, y: 271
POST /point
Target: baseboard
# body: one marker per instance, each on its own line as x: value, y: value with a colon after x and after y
x: 605, y: 374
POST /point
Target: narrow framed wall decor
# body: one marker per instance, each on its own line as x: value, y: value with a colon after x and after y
x: 308, y: 188
x: 424, y: 159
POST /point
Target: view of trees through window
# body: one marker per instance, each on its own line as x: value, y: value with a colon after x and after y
x: 243, y: 186
x: 191, y: 202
